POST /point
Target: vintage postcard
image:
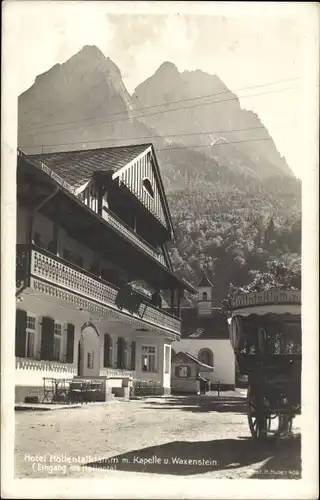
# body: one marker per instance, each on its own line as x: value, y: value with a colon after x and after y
x: 159, y: 249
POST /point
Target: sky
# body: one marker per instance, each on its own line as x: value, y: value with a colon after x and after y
x: 245, y: 45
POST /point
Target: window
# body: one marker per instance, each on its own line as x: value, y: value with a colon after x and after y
x: 149, y: 358
x: 57, y: 341
x: 204, y: 296
x: 95, y: 268
x: 167, y: 353
x: 111, y: 275
x: 72, y: 257
x: 58, y: 329
x: 77, y: 260
x: 56, y: 348
x: 52, y: 247
x: 66, y: 254
x: 90, y: 360
x: 206, y: 356
x: 31, y: 323
x: 183, y: 371
x: 37, y: 239
x: 30, y: 336
x: 148, y: 187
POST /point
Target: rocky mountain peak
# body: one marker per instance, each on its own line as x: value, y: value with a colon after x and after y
x: 168, y: 68
x: 87, y: 85
x: 90, y: 59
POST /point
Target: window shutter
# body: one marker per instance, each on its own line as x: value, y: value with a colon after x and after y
x: 70, y: 342
x: 47, y: 338
x: 106, y: 350
x: 133, y: 355
x: 21, y: 325
x: 120, y: 353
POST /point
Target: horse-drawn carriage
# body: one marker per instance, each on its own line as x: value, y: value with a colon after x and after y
x: 265, y: 333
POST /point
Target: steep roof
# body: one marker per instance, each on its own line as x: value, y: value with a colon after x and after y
x: 186, y: 302
x: 187, y: 358
x: 204, y: 281
x: 78, y: 167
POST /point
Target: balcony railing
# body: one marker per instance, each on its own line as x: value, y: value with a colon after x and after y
x: 49, y: 366
x: 56, y: 271
x: 121, y: 227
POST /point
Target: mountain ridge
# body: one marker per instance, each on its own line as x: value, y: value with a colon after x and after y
x: 236, y: 124
x: 100, y: 75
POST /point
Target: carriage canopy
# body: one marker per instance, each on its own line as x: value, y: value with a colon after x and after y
x: 273, y: 315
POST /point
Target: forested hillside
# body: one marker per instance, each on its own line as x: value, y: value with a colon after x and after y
x: 234, y: 233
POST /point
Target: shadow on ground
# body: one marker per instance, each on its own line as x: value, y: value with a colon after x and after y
x: 202, y: 404
x: 285, y: 463
x: 200, y: 457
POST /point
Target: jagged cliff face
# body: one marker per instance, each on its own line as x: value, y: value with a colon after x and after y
x: 84, y: 101
x: 86, y: 90
x: 217, y: 113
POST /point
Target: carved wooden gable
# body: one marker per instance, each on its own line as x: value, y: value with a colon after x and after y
x: 141, y: 176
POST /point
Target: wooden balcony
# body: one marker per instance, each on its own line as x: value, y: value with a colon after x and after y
x: 134, y: 238
x: 49, y: 274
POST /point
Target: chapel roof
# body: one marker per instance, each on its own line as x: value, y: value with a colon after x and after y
x: 204, y: 280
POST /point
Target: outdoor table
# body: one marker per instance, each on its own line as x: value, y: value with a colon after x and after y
x: 55, y: 387
x: 83, y: 391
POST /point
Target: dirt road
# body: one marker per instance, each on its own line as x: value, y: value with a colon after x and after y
x: 173, y: 436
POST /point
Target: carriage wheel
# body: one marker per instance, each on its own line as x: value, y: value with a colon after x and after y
x: 259, y: 423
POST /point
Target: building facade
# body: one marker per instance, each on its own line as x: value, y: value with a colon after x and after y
x: 92, y: 229
x: 205, y: 336
x: 186, y: 370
